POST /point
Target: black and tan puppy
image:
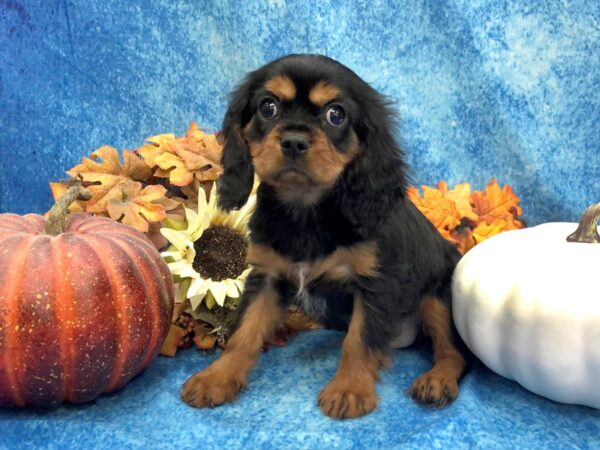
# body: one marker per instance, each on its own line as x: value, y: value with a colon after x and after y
x: 333, y: 233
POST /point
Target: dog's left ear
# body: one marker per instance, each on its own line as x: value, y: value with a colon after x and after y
x: 235, y: 184
x: 376, y: 181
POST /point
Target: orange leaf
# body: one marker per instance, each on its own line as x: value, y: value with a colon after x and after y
x: 461, y: 196
x: 485, y: 231
x: 497, y: 204
x: 172, y: 340
x: 464, y: 239
x: 196, y: 155
x: 440, y: 211
x: 136, y: 207
x: 203, y: 339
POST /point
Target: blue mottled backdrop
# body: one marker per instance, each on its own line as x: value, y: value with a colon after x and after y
x: 503, y: 89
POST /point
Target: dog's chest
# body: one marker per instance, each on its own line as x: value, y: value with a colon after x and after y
x: 305, y: 292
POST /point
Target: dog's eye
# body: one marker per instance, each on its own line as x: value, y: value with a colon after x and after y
x: 335, y: 115
x: 268, y: 108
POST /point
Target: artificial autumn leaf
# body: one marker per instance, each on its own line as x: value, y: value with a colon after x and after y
x: 463, y: 238
x: 497, y: 204
x: 461, y: 196
x: 172, y: 340
x: 58, y: 189
x: 104, y: 175
x: 295, y: 322
x: 203, y: 338
x: 196, y: 155
x: 466, y: 218
x: 134, y: 206
x: 440, y: 211
x: 484, y: 231
x: 189, y: 193
x: 117, y: 189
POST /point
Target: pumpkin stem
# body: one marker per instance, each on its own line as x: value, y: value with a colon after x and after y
x: 60, y: 210
x: 587, y: 231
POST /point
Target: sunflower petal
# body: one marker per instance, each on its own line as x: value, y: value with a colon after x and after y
x: 180, y: 239
x: 231, y: 288
x: 219, y: 291
x: 199, y: 287
x: 178, y: 267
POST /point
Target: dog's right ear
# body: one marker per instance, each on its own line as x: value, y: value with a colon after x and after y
x: 235, y: 184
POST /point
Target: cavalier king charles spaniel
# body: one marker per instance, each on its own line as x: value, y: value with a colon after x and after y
x: 333, y: 234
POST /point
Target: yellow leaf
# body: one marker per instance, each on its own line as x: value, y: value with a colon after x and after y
x: 58, y: 189
x: 485, y: 231
x: 440, y: 211
x: 463, y: 237
x: 461, y: 196
x: 194, y: 156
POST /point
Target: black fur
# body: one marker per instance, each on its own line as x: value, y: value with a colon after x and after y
x: 367, y: 203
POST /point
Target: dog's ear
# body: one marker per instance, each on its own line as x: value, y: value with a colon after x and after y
x: 373, y: 183
x: 235, y: 184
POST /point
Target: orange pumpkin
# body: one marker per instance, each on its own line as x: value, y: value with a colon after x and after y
x: 81, y: 312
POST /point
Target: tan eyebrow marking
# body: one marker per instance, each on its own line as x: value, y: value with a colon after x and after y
x: 282, y: 86
x: 322, y: 93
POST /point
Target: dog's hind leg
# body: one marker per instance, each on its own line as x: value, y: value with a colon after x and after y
x: 439, y: 386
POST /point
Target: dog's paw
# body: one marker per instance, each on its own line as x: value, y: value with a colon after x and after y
x: 210, y: 388
x: 434, y: 388
x: 342, y: 400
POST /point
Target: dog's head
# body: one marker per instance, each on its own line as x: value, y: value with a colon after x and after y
x: 309, y: 126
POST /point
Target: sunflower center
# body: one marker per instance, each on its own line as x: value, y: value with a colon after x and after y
x: 220, y: 253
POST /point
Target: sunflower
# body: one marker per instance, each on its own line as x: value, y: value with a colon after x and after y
x: 207, y: 256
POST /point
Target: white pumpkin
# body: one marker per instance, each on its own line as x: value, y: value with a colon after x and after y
x: 527, y: 303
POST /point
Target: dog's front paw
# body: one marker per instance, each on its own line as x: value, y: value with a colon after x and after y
x: 434, y: 388
x: 210, y: 388
x: 342, y: 399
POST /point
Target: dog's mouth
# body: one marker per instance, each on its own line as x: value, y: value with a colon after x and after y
x: 293, y: 176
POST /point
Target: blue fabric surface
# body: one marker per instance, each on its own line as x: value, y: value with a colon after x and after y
x: 278, y: 410
x: 505, y: 89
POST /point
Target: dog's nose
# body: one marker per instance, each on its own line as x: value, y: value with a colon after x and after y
x: 294, y: 146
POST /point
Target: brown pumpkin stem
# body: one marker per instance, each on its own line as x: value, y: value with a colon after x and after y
x: 587, y: 231
x: 57, y: 215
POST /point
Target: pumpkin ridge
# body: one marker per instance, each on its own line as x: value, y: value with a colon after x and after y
x: 13, y: 286
x: 12, y: 226
x: 119, y: 361
x: 12, y: 219
x: 100, y: 228
x: 164, y: 279
x: 140, y: 261
x: 120, y: 375
x: 64, y: 292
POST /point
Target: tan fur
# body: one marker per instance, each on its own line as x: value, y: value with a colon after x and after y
x: 351, y: 392
x: 324, y: 162
x: 266, y: 260
x: 439, y: 386
x: 343, y: 264
x: 266, y: 155
x: 322, y: 93
x: 223, y: 379
x: 283, y: 87
x: 346, y: 263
